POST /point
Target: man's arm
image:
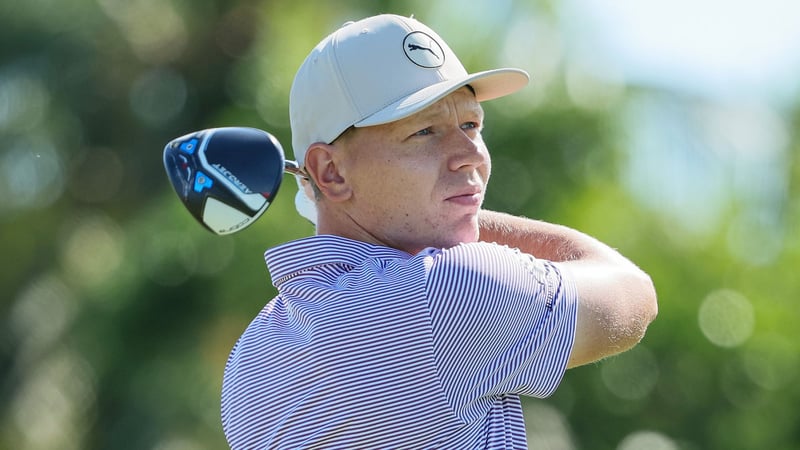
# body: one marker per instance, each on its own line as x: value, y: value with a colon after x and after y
x: 616, y: 299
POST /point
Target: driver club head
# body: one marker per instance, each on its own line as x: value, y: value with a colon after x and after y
x: 226, y: 177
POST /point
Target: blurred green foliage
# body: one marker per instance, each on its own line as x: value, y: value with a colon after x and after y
x: 118, y: 311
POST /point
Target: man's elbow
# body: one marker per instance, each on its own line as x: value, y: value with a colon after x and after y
x: 616, y: 321
x: 627, y: 326
x: 642, y: 311
x: 649, y: 302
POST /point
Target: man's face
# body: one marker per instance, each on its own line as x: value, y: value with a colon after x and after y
x: 420, y: 181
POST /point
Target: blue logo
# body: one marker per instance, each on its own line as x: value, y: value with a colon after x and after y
x: 201, y: 181
x: 189, y: 146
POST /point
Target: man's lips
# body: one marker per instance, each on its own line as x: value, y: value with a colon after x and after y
x: 470, y: 197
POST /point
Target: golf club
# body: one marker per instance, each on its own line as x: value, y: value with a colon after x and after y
x: 226, y: 177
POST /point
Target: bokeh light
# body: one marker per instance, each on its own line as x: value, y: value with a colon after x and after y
x: 40, y: 315
x: 93, y: 249
x: 158, y: 96
x: 156, y: 30
x: 647, y: 440
x: 53, y: 407
x: 594, y: 86
x: 726, y: 318
x: 31, y: 175
x: 547, y: 427
x: 756, y: 237
x: 24, y: 99
x: 533, y: 44
x: 631, y: 375
x: 771, y: 361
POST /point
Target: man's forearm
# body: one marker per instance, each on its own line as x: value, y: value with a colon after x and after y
x: 541, y: 239
x: 617, y: 301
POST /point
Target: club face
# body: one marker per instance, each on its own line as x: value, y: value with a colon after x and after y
x: 226, y: 177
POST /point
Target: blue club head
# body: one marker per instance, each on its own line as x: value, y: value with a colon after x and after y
x: 226, y: 177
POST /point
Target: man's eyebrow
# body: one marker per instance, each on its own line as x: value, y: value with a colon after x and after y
x: 433, y: 110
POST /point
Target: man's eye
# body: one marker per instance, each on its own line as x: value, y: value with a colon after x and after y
x: 423, y: 132
x: 470, y: 125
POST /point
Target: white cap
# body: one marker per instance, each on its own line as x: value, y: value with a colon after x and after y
x: 378, y: 70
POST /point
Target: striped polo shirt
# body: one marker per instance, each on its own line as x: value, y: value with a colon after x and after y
x: 368, y: 347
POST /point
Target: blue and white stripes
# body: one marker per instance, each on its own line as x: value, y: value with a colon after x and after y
x: 369, y: 347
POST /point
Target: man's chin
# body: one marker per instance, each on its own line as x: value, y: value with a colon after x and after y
x: 466, y: 236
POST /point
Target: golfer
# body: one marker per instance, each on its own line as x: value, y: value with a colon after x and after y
x: 414, y: 319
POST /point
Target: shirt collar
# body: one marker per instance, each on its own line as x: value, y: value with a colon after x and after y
x: 286, y: 260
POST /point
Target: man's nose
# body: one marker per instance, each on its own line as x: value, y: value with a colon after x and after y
x: 467, y: 152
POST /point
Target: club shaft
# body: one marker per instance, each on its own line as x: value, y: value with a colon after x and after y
x: 293, y: 168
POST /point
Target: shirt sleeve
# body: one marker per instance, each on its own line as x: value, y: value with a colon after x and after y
x: 503, y: 322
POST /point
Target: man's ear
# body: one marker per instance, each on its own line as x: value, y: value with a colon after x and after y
x: 321, y: 167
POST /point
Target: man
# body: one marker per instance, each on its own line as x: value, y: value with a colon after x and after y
x: 414, y: 319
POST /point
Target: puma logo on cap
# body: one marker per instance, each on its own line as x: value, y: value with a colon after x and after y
x: 423, y: 50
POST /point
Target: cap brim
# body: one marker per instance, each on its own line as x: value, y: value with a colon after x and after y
x: 488, y: 85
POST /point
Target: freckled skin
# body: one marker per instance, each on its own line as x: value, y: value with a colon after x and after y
x: 417, y: 182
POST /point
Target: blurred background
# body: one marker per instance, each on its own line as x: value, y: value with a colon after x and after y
x: 668, y: 129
